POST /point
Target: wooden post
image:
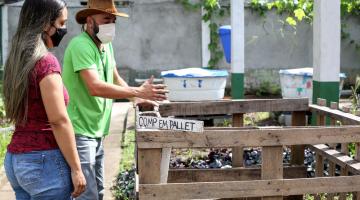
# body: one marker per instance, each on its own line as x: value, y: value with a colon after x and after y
x: 344, y: 150
x: 331, y: 173
x: 333, y: 105
x: 297, y: 157
x: 357, y: 157
x: 319, y: 159
x: 344, y: 172
x: 319, y: 170
x: 272, y: 166
x: 356, y: 195
x: 297, y: 152
x: 321, y: 119
x: 238, y: 152
x: 153, y: 165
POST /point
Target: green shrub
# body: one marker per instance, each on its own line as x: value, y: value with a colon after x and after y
x: 124, y: 186
x: 4, y: 141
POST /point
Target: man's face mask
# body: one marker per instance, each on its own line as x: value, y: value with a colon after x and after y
x: 58, y: 36
x: 104, y: 32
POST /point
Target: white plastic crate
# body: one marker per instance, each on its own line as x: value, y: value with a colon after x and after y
x: 298, y: 83
x: 195, y: 84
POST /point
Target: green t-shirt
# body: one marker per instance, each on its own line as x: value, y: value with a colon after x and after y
x: 90, y: 116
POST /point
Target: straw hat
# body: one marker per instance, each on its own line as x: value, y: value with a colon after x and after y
x: 98, y: 7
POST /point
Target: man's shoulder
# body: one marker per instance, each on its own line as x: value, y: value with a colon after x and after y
x: 80, y: 41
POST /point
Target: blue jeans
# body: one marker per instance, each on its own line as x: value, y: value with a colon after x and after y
x: 91, y: 153
x: 39, y: 175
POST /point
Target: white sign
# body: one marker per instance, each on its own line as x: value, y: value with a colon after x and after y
x: 148, y: 122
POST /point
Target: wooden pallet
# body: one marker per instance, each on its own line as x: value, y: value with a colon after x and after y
x: 272, y: 181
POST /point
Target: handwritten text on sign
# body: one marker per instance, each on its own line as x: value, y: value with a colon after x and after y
x: 149, y: 122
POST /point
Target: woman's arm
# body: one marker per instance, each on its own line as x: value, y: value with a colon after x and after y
x: 51, y: 88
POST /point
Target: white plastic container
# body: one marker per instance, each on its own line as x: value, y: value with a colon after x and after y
x: 195, y: 84
x: 297, y: 83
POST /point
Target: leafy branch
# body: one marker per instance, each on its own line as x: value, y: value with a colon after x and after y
x: 295, y: 11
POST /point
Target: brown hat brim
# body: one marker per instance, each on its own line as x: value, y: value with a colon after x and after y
x: 82, y: 14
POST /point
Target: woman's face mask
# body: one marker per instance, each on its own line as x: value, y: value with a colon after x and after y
x: 58, y: 36
x: 105, y: 32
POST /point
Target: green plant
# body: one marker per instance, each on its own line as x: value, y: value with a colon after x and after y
x: 213, y: 10
x: 351, y: 147
x: 4, y: 141
x: 355, y: 94
x: 128, y: 149
x: 294, y: 11
x: 124, y: 184
x: 252, y: 119
x: 267, y: 88
x: 323, y: 196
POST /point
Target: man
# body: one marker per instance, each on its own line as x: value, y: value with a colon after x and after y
x: 92, y: 80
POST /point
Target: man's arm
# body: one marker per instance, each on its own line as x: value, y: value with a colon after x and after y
x: 118, y: 80
x: 97, y: 87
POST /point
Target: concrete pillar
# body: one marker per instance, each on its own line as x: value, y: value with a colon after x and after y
x: 237, y: 49
x: 205, y: 40
x: 326, y: 50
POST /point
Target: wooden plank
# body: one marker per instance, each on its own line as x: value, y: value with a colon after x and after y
x: 298, y: 118
x: 319, y: 170
x: 320, y: 118
x: 356, y: 196
x: 233, y: 189
x: 153, y: 165
x: 334, y: 106
x: 272, y: 166
x: 320, y: 121
x: 343, y: 172
x: 357, y: 157
x: 345, y: 148
x: 233, y: 174
x: 345, y: 118
x: 331, y: 173
x: 297, y: 152
x: 252, y: 137
x: 357, y: 151
x: 337, y: 157
x: 149, y: 161
x: 238, y: 152
x: 164, y: 164
x: 232, y: 106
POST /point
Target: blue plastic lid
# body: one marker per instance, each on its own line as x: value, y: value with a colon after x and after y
x: 223, y: 30
x: 307, y: 71
x: 194, y: 73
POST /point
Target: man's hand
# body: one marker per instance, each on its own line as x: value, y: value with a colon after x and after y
x: 145, y: 102
x: 150, y: 91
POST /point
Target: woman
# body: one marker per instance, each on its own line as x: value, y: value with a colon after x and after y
x: 42, y: 161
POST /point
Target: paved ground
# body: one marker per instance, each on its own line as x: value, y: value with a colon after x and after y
x: 112, y: 153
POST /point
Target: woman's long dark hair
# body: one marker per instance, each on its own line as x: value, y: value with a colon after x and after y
x: 27, y: 47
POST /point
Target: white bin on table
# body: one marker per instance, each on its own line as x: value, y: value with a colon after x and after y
x: 195, y: 84
x: 298, y: 83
